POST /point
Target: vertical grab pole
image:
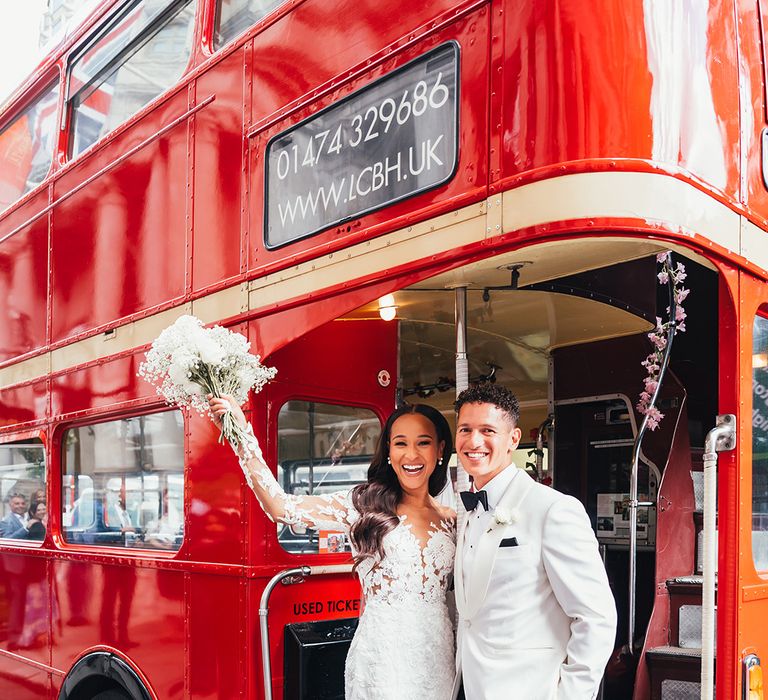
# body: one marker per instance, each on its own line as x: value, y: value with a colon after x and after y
x: 721, y: 437
x: 462, y: 375
x: 636, y: 451
x: 462, y: 363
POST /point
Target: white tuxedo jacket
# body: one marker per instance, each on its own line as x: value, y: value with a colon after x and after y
x: 537, y: 621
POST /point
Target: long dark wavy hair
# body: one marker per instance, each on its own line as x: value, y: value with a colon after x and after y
x: 377, y: 499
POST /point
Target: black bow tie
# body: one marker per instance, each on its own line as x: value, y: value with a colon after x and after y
x: 470, y: 499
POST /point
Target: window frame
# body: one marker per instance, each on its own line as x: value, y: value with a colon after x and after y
x: 104, y: 27
x: 137, y: 552
x: 281, y: 8
x: 52, y: 77
x: 35, y: 434
x: 308, y: 397
x: 761, y: 312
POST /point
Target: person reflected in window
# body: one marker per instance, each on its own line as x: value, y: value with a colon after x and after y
x: 117, y: 513
x: 162, y: 532
x: 37, y: 521
x: 14, y: 525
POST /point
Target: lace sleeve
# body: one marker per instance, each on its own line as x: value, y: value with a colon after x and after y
x: 329, y: 510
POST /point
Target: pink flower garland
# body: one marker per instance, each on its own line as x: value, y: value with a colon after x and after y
x: 658, y: 337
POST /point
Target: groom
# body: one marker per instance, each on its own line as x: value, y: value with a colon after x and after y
x: 537, y: 619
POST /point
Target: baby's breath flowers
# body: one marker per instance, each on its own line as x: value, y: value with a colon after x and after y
x: 187, y: 362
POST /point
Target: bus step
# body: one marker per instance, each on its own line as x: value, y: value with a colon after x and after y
x: 675, y: 673
x: 680, y: 690
x: 685, y: 611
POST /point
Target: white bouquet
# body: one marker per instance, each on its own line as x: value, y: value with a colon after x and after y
x: 187, y: 362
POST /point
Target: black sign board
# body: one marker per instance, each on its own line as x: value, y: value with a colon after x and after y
x: 391, y: 140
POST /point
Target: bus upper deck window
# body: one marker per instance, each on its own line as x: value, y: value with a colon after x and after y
x: 233, y: 17
x: 123, y: 482
x: 22, y: 490
x: 26, y: 147
x: 141, y: 53
x: 760, y: 443
x: 322, y: 448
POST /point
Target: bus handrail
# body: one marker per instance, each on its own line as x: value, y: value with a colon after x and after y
x: 287, y: 576
x: 721, y: 437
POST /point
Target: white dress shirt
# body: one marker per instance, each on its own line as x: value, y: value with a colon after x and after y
x: 479, y: 519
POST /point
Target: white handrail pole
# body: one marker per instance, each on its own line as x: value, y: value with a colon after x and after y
x: 721, y: 437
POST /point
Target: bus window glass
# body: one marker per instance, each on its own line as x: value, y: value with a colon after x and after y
x: 760, y: 443
x: 322, y: 448
x: 142, y: 53
x: 123, y: 482
x: 233, y: 17
x: 22, y: 487
x: 26, y: 147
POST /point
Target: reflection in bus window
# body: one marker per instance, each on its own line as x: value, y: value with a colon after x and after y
x: 760, y: 443
x: 322, y: 448
x: 22, y: 490
x: 233, y: 17
x: 123, y: 482
x: 138, y: 56
x: 26, y: 147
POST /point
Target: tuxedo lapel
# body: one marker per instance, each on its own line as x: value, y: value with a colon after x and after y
x: 488, y: 544
x: 481, y: 571
x: 458, y: 569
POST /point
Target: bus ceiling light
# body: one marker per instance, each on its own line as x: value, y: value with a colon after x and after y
x: 387, y: 307
x: 753, y: 678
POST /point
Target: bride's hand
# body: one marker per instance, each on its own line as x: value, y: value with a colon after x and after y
x: 226, y: 403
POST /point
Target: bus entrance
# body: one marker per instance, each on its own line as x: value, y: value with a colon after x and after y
x: 568, y: 337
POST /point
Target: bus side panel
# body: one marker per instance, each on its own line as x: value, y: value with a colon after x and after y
x: 24, y: 605
x: 216, y: 617
x: 621, y: 80
x: 24, y: 403
x: 215, y: 490
x: 119, y: 244
x: 135, y: 610
x: 218, y: 173
x: 24, y: 286
x: 20, y: 681
x: 99, y: 386
x: 752, y: 37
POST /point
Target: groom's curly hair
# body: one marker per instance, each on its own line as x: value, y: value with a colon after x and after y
x: 494, y: 394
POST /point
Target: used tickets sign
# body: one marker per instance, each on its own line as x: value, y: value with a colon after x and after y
x: 393, y: 139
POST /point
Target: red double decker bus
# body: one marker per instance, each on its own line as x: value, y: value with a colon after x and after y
x: 390, y: 201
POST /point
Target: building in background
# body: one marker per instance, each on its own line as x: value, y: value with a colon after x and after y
x: 55, y: 22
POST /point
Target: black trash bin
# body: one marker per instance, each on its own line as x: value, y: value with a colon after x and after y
x: 314, y: 658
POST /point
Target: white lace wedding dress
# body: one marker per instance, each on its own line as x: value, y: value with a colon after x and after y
x: 403, y: 648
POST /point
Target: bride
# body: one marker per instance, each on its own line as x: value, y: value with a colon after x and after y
x: 403, y: 543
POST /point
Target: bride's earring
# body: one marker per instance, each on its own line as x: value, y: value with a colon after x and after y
x: 389, y: 461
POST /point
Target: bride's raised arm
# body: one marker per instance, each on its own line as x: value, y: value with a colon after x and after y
x: 332, y: 509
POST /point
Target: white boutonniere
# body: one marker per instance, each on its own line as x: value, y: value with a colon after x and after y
x: 506, y: 516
